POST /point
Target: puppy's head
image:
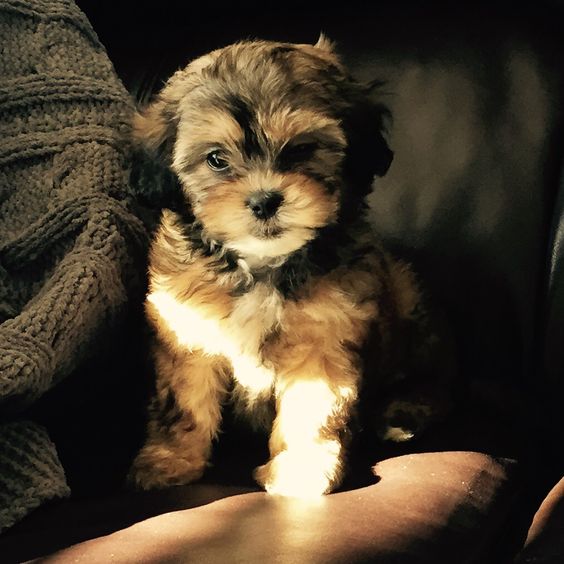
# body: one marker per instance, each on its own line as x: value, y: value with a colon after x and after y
x: 271, y: 143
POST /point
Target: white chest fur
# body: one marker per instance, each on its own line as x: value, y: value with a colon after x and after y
x: 238, y: 337
x: 255, y: 316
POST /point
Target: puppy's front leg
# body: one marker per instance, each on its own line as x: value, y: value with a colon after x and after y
x: 306, y: 444
x: 184, y: 417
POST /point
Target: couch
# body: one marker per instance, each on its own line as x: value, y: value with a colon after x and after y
x: 474, y: 200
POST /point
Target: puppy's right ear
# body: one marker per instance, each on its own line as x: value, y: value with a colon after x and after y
x: 154, y: 132
x: 154, y: 128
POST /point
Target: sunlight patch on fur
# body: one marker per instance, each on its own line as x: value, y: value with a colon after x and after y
x: 315, y: 401
x: 192, y: 328
x: 305, y: 471
x: 196, y: 331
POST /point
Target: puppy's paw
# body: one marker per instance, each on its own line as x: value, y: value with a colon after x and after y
x: 157, y: 467
x: 304, y: 473
x: 403, y: 420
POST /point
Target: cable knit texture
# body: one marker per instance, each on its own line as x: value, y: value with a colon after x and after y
x: 68, y: 242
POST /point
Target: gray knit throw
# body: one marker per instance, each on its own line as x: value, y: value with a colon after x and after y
x: 67, y: 237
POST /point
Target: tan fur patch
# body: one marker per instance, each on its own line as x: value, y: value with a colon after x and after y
x: 286, y: 124
x: 306, y: 207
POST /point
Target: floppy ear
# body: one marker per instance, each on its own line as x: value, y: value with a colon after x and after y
x: 380, y: 154
x: 154, y: 130
x: 368, y: 154
x: 154, y: 135
x: 154, y: 127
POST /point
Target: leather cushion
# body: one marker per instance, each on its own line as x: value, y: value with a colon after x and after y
x: 430, y: 507
x: 545, y: 540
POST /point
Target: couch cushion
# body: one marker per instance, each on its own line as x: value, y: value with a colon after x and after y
x: 545, y: 541
x: 430, y: 507
x: 63, y: 523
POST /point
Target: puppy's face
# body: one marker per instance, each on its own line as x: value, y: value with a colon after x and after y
x: 267, y: 143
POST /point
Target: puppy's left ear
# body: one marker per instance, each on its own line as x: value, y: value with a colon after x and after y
x: 368, y: 154
x: 382, y: 154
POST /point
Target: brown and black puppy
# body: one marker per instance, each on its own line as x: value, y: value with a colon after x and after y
x: 267, y: 281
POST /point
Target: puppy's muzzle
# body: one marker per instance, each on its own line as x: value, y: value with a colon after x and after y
x: 265, y: 203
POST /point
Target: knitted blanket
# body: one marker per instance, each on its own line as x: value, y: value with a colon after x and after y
x: 68, y: 239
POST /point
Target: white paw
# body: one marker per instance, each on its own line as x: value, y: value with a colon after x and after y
x: 303, y: 473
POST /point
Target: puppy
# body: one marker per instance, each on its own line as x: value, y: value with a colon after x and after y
x: 266, y: 283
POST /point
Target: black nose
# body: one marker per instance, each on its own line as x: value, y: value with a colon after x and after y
x: 264, y: 204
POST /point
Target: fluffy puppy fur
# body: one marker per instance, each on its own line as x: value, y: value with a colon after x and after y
x: 266, y: 282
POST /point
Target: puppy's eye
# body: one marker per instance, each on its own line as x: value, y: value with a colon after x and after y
x: 216, y: 161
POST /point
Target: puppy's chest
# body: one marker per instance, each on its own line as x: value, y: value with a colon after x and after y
x: 256, y: 315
